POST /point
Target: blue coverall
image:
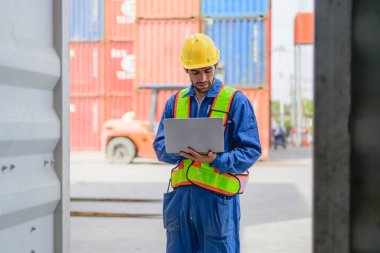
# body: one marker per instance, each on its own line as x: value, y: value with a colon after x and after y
x: 196, y: 219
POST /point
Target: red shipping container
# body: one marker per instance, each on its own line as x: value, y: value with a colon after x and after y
x: 117, y: 106
x: 260, y: 101
x: 168, y: 9
x: 120, y: 68
x: 159, y: 44
x: 269, y: 50
x: 144, y: 102
x: 304, y: 28
x: 86, y: 68
x: 86, y: 118
x: 120, y: 19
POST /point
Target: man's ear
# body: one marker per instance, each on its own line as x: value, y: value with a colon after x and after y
x: 186, y: 70
x: 216, y: 65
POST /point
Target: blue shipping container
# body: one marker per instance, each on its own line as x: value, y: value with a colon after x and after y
x: 242, y: 45
x: 234, y: 8
x: 86, y: 20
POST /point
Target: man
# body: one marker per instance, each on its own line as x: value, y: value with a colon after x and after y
x: 203, y: 215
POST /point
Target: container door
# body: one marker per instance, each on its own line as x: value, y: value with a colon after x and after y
x: 34, y: 113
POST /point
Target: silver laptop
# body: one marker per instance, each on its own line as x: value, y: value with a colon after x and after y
x: 201, y: 134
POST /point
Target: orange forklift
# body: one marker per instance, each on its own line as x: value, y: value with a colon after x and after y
x: 126, y: 138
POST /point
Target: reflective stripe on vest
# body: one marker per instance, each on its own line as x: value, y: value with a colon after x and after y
x: 202, y: 174
x: 182, y: 106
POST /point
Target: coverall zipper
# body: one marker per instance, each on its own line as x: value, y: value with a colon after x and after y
x: 199, y: 105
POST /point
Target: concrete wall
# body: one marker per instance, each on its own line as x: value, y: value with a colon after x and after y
x: 347, y: 123
x: 365, y: 127
x: 34, y: 120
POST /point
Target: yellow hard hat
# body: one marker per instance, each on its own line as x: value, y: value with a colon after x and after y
x: 199, y: 51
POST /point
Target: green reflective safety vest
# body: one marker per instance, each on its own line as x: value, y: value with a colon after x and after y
x: 203, y: 175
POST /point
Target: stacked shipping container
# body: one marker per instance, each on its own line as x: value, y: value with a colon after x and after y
x: 120, y: 20
x: 242, y: 45
x: 240, y: 31
x: 86, y: 85
x: 162, y: 27
x: 103, y: 84
x: 86, y: 20
x: 120, y: 57
x: 102, y: 66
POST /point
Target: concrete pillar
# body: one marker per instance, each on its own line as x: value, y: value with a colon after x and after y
x: 347, y: 127
x: 365, y: 127
x: 332, y: 98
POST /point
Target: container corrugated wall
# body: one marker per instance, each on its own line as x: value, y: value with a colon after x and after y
x: 269, y: 52
x: 117, y: 105
x: 102, y: 71
x: 144, y: 100
x: 86, y: 114
x: 102, y: 87
x: 159, y: 45
x: 120, y: 18
x: 87, y: 61
x: 234, y: 8
x: 168, y: 9
x: 34, y: 92
x: 119, y: 79
x: 87, y: 68
x: 86, y: 20
x: 259, y: 99
x: 120, y: 68
x: 242, y: 44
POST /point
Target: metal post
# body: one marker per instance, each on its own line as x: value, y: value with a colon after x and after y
x: 282, y: 121
x: 153, y: 109
x: 297, y: 87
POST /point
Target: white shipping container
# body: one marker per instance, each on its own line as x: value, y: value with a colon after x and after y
x: 34, y: 127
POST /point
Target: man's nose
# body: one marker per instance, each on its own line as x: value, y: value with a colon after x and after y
x: 203, y: 77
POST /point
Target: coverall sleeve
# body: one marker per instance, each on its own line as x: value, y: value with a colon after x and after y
x: 246, y: 148
x: 159, y: 141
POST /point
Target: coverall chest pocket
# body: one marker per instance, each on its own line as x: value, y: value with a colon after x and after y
x: 171, y: 210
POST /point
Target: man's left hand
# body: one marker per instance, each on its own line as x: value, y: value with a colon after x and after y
x: 198, y: 157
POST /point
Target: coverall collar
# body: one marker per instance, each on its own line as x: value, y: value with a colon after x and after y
x: 212, y: 92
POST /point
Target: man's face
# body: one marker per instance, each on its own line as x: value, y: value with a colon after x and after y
x: 202, y: 78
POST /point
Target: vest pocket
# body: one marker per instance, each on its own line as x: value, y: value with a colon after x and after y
x: 171, y: 209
